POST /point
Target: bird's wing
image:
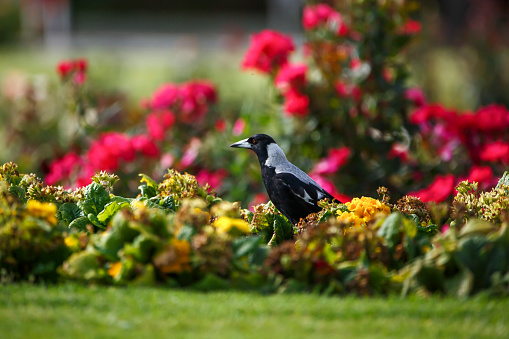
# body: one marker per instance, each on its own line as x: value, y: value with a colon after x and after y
x: 308, y: 191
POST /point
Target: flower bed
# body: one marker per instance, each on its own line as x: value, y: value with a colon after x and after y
x: 176, y: 233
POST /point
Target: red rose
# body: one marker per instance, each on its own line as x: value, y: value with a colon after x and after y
x: 220, y: 125
x: 495, y: 151
x: 195, y: 97
x: 348, y: 91
x: 336, y: 158
x: 104, y: 154
x: 65, y: 68
x: 410, y: 27
x: 165, y: 96
x: 329, y: 187
x: 81, y: 65
x: 428, y: 112
x: 291, y: 77
x: 239, y: 126
x: 79, y: 78
x: 492, y: 118
x: 296, y: 104
x: 399, y: 151
x: 191, y: 153
x: 158, y: 123
x: 416, y: 96
x: 323, y: 15
x: 145, y: 145
x: 61, y: 169
x: 214, y: 179
x: 268, y: 50
x: 483, y: 175
x: 439, y: 190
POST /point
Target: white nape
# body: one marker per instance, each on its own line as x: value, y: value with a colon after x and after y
x: 276, y: 159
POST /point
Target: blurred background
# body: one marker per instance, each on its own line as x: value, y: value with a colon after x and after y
x: 459, y: 59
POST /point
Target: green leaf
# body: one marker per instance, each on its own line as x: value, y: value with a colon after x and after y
x: 147, y: 191
x: 168, y: 203
x: 96, y: 198
x: 149, y: 181
x: 44, y: 267
x: 122, y: 226
x: 432, y: 278
x: 108, y: 244
x: 249, y: 215
x: 80, y: 223
x: 482, y: 258
x: 109, y: 211
x: 410, y: 227
x: 326, y: 216
x: 120, y: 200
x: 257, y: 258
x: 476, y: 226
x: 143, y: 201
x: 127, y: 272
x: 504, y: 180
x: 212, y: 282
x: 428, y: 230
x: 146, y: 278
x: 83, y: 265
x: 246, y: 282
x: 390, y: 229
x: 68, y: 212
x: 186, y: 232
x: 93, y: 219
x: 18, y: 192
x: 283, y: 229
x: 246, y: 245
x: 142, y: 248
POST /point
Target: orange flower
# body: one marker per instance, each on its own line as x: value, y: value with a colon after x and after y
x: 362, y: 210
x: 175, y: 259
x: 115, y: 269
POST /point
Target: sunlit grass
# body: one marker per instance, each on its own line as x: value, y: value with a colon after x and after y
x: 72, y: 311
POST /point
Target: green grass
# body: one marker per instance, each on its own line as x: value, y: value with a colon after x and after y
x: 72, y: 311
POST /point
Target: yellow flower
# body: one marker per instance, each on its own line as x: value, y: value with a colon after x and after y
x: 115, y: 269
x: 136, y: 204
x: 176, y: 258
x: 72, y: 242
x: 43, y: 210
x: 362, y: 210
x: 225, y: 224
x: 352, y: 218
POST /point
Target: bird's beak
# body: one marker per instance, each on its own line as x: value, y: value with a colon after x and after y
x: 241, y: 144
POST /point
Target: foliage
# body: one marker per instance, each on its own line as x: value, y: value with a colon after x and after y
x: 484, y: 205
x: 32, y: 245
x: 176, y: 234
x: 463, y: 262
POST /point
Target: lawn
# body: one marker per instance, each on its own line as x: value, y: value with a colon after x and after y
x: 72, y: 311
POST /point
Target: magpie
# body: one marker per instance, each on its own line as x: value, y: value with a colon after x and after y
x: 292, y: 191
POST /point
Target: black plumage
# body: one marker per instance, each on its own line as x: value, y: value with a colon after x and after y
x: 292, y: 191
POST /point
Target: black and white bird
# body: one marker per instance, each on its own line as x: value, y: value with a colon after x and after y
x: 292, y: 191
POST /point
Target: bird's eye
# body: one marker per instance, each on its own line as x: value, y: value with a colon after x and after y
x: 254, y: 141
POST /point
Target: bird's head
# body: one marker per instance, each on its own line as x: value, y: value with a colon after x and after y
x: 259, y: 143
